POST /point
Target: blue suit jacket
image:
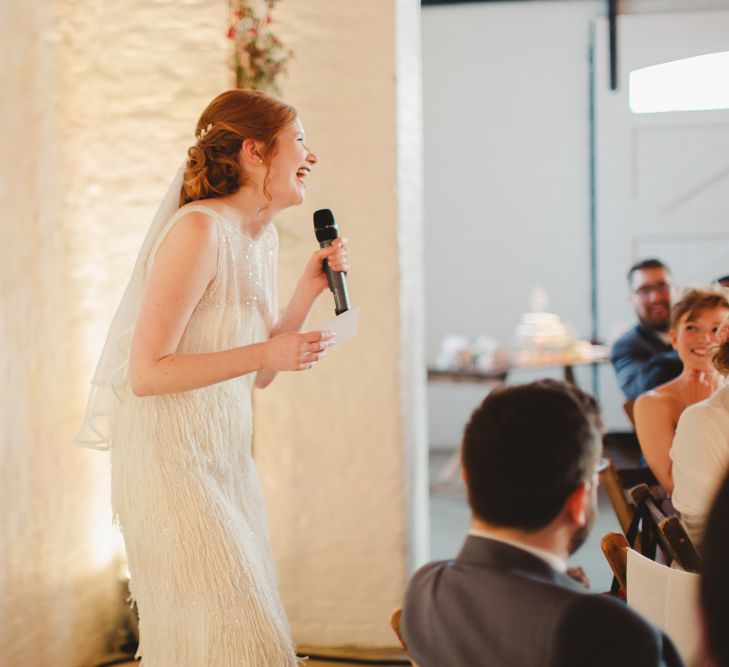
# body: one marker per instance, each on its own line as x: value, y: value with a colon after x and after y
x: 643, y: 360
x: 497, y: 605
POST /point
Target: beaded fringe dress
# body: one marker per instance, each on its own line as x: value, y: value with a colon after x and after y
x: 185, y: 490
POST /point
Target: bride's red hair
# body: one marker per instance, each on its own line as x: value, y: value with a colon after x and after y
x: 212, y: 166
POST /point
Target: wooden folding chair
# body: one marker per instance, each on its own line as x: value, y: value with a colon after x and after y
x: 670, y: 534
x: 628, y: 409
x: 624, y: 509
x: 668, y: 597
x: 615, y: 549
x: 395, y: 623
x: 617, y: 485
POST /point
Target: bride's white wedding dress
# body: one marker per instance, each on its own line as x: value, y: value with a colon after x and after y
x: 185, y: 489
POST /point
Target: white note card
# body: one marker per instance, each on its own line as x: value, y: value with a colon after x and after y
x: 343, y: 326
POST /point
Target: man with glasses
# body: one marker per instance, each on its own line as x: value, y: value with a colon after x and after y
x: 531, y: 456
x: 643, y: 357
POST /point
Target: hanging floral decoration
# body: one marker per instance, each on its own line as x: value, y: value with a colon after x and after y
x: 259, y: 57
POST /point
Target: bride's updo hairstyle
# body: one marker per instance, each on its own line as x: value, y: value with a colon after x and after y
x: 212, y: 166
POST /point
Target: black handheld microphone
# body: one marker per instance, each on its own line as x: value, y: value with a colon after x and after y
x: 326, y: 231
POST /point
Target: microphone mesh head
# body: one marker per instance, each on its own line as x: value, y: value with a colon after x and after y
x: 325, y: 227
x: 324, y: 218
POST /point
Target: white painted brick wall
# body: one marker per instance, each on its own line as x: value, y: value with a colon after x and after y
x: 336, y: 446
x: 100, y: 99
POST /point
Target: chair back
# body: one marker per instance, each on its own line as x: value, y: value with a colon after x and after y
x: 628, y: 409
x: 668, y: 597
x: 666, y: 531
x: 395, y: 623
x: 623, y: 507
x: 618, y: 485
x: 615, y: 549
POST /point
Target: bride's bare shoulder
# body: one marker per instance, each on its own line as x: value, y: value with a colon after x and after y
x: 194, y: 223
x: 191, y: 238
x: 196, y: 210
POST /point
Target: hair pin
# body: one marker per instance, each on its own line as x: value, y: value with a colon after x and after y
x: 205, y: 130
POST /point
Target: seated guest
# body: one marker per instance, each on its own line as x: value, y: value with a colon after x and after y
x: 700, y: 450
x: 695, y: 321
x: 642, y: 357
x: 715, y: 578
x: 530, y: 455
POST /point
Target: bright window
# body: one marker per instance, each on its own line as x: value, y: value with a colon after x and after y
x: 691, y: 84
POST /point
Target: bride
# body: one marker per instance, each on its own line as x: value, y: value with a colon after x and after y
x: 196, y: 330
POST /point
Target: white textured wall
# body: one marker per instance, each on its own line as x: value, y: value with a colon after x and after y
x: 411, y: 266
x: 99, y: 104
x: 341, y: 449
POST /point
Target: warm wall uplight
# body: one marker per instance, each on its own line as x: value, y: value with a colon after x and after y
x: 692, y: 84
x: 107, y: 544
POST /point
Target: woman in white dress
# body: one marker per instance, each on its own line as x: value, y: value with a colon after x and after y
x: 700, y: 450
x: 205, y: 332
x: 695, y: 321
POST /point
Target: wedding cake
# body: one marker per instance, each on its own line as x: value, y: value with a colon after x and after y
x: 540, y: 330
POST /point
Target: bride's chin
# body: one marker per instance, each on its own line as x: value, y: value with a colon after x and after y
x: 282, y: 202
x: 299, y: 197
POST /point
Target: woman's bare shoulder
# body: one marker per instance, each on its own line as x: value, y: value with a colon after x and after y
x: 191, y: 211
x: 660, y: 399
x: 194, y: 225
x: 192, y: 238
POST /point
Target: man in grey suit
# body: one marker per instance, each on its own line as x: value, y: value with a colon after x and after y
x: 530, y: 455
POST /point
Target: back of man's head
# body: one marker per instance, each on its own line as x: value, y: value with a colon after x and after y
x: 526, y: 448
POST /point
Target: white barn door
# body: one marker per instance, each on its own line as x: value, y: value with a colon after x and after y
x: 662, y: 178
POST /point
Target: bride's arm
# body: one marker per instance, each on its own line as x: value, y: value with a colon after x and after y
x: 311, y: 284
x: 184, y: 266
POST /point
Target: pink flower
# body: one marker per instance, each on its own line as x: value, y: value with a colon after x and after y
x: 231, y: 33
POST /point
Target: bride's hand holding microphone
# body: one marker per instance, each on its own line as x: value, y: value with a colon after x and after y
x: 294, y: 351
x: 314, y: 275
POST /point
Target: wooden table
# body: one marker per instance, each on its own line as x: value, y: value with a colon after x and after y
x: 599, y: 354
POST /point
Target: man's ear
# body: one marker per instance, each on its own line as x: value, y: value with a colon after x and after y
x: 250, y: 151
x: 464, y: 476
x: 577, y: 504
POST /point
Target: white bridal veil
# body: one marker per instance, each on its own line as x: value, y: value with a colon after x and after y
x: 110, y: 377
